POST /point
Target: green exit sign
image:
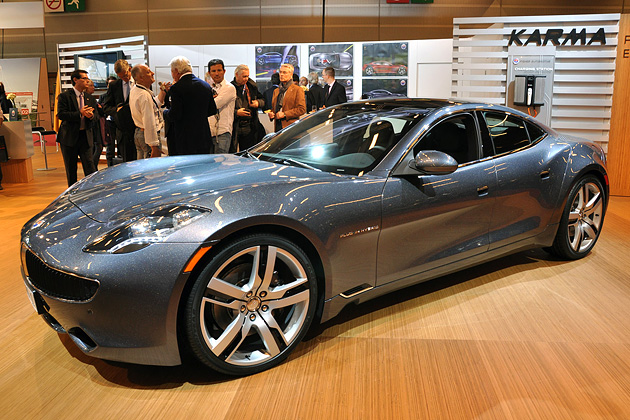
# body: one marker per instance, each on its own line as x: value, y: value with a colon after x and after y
x: 74, y: 5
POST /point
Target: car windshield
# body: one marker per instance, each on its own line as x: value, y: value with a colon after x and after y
x: 348, y: 139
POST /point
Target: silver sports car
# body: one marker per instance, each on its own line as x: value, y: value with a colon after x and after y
x: 231, y: 258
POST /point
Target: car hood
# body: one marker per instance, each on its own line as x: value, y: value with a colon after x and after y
x: 125, y: 190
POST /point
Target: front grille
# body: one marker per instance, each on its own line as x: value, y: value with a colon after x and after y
x: 58, y: 284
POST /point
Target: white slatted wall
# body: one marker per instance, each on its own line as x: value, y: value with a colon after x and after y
x: 134, y: 47
x: 583, y: 74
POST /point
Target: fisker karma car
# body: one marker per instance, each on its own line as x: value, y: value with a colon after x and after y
x: 231, y: 258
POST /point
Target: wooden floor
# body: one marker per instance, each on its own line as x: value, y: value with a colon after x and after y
x: 524, y: 337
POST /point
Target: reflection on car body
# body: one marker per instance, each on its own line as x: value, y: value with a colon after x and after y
x: 235, y: 256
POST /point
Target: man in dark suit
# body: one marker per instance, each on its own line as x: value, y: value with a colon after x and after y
x: 191, y: 103
x: 314, y: 94
x: 75, y: 109
x: 334, y: 92
x: 116, y: 105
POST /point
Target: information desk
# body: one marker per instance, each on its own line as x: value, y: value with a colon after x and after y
x: 19, y: 139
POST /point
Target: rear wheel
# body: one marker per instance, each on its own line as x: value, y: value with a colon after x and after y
x: 251, y: 305
x: 582, y: 219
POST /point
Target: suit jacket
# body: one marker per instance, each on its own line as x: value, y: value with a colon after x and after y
x: 192, y: 103
x: 112, y: 99
x: 68, y: 113
x: 293, y: 104
x: 337, y: 94
x: 314, y: 97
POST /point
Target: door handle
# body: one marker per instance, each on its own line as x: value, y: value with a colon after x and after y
x: 545, y: 174
x: 481, y: 191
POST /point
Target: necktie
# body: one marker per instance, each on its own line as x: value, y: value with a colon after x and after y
x: 81, y: 104
x: 327, y: 90
x: 126, y: 90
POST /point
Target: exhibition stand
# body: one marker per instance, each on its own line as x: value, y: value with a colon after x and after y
x: 19, y: 140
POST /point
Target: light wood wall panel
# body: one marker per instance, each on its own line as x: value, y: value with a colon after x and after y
x: 287, y: 21
x: 199, y: 22
x: 423, y: 21
x: 555, y: 7
x: 619, y: 143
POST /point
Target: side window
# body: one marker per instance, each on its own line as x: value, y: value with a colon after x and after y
x: 455, y: 136
x: 507, y: 132
x: 535, y: 132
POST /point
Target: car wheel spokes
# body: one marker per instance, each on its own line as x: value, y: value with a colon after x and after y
x: 247, y: 318
x: 585, y: 217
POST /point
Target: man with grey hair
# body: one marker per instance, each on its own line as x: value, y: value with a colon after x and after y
x: 247, y: 129
x: 116, y: 106
x: 288, y: 102
x: 191, y: 103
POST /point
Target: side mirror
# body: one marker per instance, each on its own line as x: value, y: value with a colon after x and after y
x: 432, y: 162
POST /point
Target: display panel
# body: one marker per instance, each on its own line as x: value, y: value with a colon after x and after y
x: 269, y: 59
x: 98, y: 65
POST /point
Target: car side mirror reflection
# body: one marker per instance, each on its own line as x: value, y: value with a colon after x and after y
x: 433, y: 162
x: 268, y: 136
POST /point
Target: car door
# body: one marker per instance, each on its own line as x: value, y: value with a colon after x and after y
x: 527, y: 177
x: 433, y: 220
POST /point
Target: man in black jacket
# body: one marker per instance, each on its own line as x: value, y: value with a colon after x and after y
x: 314, y: 94
x: 334, y: 92
x: 116, y: 105
x: 75, y: 109
x: 247, y: 129
x: 191, y: 103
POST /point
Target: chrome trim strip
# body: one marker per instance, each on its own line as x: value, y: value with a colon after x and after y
x: 356, y: 293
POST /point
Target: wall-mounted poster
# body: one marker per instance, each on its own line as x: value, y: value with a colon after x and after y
x: 380, y: 88
x: 337, y: 56
x: 269, y: 59
x: 385, y: 59
x: 349, y: 85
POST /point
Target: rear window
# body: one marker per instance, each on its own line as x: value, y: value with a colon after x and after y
x: 507, y: 132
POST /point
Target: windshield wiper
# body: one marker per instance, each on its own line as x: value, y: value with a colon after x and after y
x: 293, y: 162
x: 248, y: 154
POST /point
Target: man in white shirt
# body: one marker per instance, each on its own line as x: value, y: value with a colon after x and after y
x: 225, y: 98
x: 146, y: 114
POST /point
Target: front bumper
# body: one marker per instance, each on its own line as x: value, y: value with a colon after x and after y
x: 131, y: 316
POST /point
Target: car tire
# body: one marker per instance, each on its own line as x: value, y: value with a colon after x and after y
x: 369, y: 71
x: 251, y: 305
x: 582, y: 219
x: 402, y: 71
x: 261, y: 61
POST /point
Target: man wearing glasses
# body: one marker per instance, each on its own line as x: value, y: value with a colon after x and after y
x: 75, y: 109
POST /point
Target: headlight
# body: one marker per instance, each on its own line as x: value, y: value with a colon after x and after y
x: 144, y: 231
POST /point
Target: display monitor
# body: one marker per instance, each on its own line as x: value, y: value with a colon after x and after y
x: 99, y: 65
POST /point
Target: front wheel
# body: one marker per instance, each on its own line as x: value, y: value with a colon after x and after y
x: 582, y: 219
x: 369, y: 71
x: 252, y: 305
